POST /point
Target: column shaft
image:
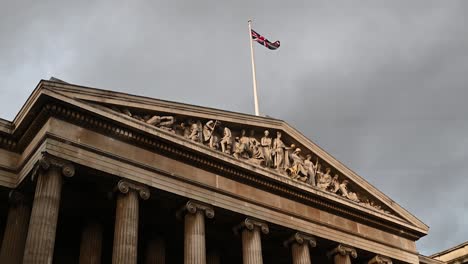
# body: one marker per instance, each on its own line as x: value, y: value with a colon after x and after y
x: 194, y: 241
x: 213, y: 258
x: 300, y: 253
x: 126, y: 229
x: 252, y: 246
x: 40, y: 241
x: 16, y: 232
x: 91, y: 244
x: 156, y: 252
x: 340, y: 259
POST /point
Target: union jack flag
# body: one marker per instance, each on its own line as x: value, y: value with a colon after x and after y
x: 263, y: 41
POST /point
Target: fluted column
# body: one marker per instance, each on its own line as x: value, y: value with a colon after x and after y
x: 40, y: 242
x: 213, y: 258
x: 342, y: 254
x: 251, y: 240
x: 380, y: 260
x: 126, y: 221
x: 91, y: 244
x: 156, y: 252
x: 194, y: 238
x: 299, y: 244
x: 16, y: 229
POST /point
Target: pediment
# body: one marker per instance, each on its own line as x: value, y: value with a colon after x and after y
x: 239, y: 139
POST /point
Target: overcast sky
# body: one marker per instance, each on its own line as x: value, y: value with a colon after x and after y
x: 381, y: 85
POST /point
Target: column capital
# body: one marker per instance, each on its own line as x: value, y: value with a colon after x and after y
x: 125, y: 186
x: 16, y: 198
x: 47, y: 162
x: 378, y: 259
x: 193, y: 206
x: 250, y: 224
x: 300, y: 238
x: 342, y: 250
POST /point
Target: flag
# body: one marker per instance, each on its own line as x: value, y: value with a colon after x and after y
x: 263, y: 41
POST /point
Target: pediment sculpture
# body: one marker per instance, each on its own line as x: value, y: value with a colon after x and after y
x: 267, y: 151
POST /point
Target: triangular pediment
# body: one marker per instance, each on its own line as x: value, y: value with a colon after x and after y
x: 241, y: 140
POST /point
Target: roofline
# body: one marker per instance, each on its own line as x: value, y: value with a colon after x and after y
x: 449, y: 250
x: 64, y: 84
x: 429, y: 260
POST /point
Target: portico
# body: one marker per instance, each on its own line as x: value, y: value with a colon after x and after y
x: 107, y: 186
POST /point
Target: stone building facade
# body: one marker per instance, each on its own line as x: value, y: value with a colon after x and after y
x: 95, y: 176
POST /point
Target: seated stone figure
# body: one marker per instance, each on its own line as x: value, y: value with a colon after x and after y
x: 297, y: 170
x: 324, y: 180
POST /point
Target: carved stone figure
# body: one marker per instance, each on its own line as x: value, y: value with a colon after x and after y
x: 311, y: 170
x: 183, y: 130
x: 297, y: 169
x: 242, y: 147
x: 226, y: 141
x: 278, y: 151
x: 265, y: 142
x: 335, y: 184
x: 208, y: 131
x: 324, y: 180
x: 254, y: 147
x: 287, y: 152
x: 195, y: 132
x: 164, y: 122
x: 346, y: 193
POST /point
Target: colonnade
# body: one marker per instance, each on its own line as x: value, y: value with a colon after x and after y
x: 34, y: 243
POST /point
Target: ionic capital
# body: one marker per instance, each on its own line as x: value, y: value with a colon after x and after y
x: 193, y: 206
x: 125, y: 186
x: 301, y: 238
x: 47, y: 162
x: 250, y: 224
x: 342, y: 250
x: 16, y: 198
x: 380, y: 260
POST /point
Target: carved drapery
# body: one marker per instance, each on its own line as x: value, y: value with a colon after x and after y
x: 380, y: 260
x: 16, y: 229
x: 40, y: 241
x: 342, y: 254
x: 194, y: 230
x: 126, y: 221
x: 251, y: 239
x: 300, y: 244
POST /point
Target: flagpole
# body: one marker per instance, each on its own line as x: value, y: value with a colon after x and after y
x: 254, y: 79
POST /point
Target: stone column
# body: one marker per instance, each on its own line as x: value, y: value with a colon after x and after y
x: 380, y: 260
x: 299, y: 244
x: 342, y: 254
x: 44, y: 215
x: 194, y: 238
x: 251, y: 240
x: 91, y: 244
x: 16, y: 229
x: 126, y: 221
x: 213, y: 258
x: 156, y: 252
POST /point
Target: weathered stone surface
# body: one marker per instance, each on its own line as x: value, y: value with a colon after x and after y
x: 126, y: 222
x: 156, y: 251
x: 194, y: 228
x: 91, y: 244
x: 342, y: 254
x: 40, y: 241
x: 251, y: 240
x: 300, y: 244
x: 16, y: 229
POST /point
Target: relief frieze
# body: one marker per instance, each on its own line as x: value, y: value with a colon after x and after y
x: 270, y: 151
